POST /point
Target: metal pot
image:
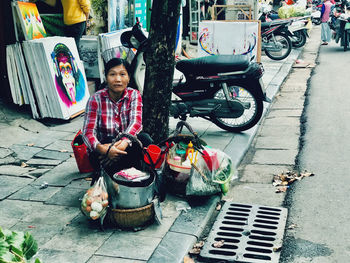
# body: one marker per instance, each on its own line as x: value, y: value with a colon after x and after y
x: 129, y: 194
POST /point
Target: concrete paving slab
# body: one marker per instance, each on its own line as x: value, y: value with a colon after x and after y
x: 193, y: 222
x: 284, y: 113
x: 60, y: 146
x: 35, y: 193
x: 12, y: 135
x: 61, y: 175
x: 255, y: 193
x: 269, y: 130
x: 55, y: 155
x: 69, y: 137
x: 7, y: 223
x: 29, y: 125
x: 24, y: 152
x: 38, y: 213
x: 281, y: 143
x: 99, y: 259
x: 73, y: 125
x: 5, y: 152
x: 38, y: 172
x: 14, y: 170
x: 126, y: 245
x: 42, y: 139
x: 279, y: 157
x: 80, y: 183
x: 253, y: 173
x: 9, y: 160
x: 43, y: 162
x: 11, y: 184
x: 78, y: 239
x: 53, y: 255
x: 67, y: 196
x: 41, y: 232
x: 173, y: 248
x: 283, y: 122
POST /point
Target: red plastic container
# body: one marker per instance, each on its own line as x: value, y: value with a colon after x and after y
x: 156, y: 155
x: 80, y: 154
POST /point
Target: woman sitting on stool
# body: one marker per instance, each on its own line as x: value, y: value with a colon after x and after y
x: 113, y: 110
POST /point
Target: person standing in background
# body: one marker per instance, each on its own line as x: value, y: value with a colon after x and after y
x: 75, y: 14
x: 325, y: 29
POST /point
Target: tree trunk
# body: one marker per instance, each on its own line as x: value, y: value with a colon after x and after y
x: 160, y: 61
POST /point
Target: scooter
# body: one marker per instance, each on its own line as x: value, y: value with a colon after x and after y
x: 340, y: 23
x: 275, y: 41
x: 297, y: 30
x: 224, y: 89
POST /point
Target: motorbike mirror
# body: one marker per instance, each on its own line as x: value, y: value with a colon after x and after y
x: 125, y: 39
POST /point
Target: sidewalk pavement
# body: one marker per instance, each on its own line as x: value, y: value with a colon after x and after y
x: 52, y: 214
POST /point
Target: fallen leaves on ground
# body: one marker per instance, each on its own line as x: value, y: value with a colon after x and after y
x: 277, y: 249
x: 284, y: 180
x: 218, y: 244
x: 187, y: 259
x: 292, y: 226
x: 63, y: 151
x: 218, y: 207
x: 196, y: 248
x: 23, y: 165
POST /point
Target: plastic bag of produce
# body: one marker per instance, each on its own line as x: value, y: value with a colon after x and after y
x: 95, y: 201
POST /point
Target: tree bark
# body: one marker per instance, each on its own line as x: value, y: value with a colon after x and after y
x: 160, y: 61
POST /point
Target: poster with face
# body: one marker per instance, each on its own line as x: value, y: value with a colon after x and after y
x: 68, y: 75
x: 30, y: 20
x: 229, y: 38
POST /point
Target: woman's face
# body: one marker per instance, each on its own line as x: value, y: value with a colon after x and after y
x: 117, y: 80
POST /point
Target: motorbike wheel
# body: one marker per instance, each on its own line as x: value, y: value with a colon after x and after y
x: 286, y: 47
x: 345, y: 40
x: 253, y: 109
x: 300, y: 39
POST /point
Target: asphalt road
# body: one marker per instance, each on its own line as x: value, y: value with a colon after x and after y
x: 319, y: 206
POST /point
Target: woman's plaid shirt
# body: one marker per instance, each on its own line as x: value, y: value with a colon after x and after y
x: 105, y: 118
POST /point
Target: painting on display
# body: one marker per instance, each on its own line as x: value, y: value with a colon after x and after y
x: 88, y: 47
x: 58, y: 76
x: 117, y: 14
x: 229, y: 38
x: 30, y: 20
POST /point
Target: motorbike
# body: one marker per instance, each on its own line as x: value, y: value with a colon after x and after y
x: 297, y: 30
x: 224, y: 89
x: 275, y: 41
x: 339, y: 22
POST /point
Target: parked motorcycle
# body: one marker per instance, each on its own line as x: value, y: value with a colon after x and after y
x: 297, y: 30
x: 225, y: 89
x: 275, y: 41
x: 340, y: 23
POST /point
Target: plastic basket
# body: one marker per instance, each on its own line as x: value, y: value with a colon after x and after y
x: 131, y: 218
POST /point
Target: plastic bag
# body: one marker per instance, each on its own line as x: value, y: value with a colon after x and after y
x: 200, y: 182
x: 225, y: 172
x: 95, y: 201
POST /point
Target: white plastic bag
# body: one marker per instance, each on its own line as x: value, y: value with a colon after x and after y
x: 95, y: 201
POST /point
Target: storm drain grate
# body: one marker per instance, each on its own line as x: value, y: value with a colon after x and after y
x: 246, y: 233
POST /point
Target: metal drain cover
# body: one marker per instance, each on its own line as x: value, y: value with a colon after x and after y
x: 249, y: 233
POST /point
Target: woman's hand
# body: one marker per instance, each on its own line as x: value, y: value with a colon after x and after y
x: 118, y: 149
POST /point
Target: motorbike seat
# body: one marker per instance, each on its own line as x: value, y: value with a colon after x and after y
x: 213, y: 64
x: 273, y: 23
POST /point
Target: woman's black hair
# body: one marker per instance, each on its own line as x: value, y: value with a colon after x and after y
x: 116, y: 62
